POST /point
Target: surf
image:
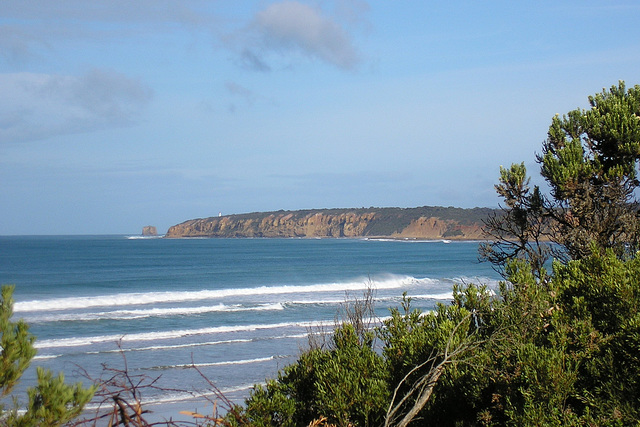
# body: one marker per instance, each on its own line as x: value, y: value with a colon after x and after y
x: 137, y: 298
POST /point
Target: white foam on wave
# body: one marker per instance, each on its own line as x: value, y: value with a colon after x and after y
x: 179, y: 346
x: 152, y: 312
x: 46, y: 356
x: 442, y: 296
x: 211, y: 364
x: 184, y: 396
x: 164, y: 335
x: 169, y: 399
x: 124, y: 299
x: 490, y: 283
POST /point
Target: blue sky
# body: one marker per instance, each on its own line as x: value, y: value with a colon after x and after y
x: 118, y: 114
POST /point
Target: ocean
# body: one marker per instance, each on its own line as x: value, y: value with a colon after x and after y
x: 238, y: 309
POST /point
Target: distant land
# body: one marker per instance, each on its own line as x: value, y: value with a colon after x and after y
x: 149, y: 230
x: 427, y: 222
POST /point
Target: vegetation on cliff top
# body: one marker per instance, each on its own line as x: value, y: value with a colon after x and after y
x: 462, y: 215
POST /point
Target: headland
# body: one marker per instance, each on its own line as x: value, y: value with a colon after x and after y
x: 426, y: 222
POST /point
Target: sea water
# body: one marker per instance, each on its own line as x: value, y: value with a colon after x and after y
x: 237, y: 309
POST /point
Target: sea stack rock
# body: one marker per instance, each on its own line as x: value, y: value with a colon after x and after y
x: 149, y: 230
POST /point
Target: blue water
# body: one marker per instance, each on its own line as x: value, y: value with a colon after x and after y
x: 239, y: 309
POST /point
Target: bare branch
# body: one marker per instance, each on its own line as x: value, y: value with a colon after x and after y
x: 424, y: 385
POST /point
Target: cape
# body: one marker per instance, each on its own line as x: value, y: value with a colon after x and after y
x: 427, y: 222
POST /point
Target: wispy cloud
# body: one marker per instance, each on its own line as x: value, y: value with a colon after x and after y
x: 252, y: 61
x: 286, y: 28
x: 352, y: 11
x: 292, y: 27
x: 241, y: 91
x: 43, y: 105
x: 149, y: 11
x: 29, y: 26
x: 16, y: 45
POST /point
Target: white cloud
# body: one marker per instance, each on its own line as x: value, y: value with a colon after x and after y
x: 292, y: 26
x: 37, y: 106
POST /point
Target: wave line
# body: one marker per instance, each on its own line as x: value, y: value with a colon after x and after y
x: 124, y: 299
x: 164, y: 335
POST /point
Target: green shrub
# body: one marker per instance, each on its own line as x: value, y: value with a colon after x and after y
x: 51, y: 402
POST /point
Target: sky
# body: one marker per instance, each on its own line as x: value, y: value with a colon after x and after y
x: 119, y: 114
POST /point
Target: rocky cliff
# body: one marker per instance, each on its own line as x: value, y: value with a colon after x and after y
x: 149, y: 230
x: 415, y: 223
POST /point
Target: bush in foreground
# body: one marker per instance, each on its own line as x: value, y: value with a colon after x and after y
x: 561, y: 349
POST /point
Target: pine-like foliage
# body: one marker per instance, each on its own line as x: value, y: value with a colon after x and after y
x: 590, y: 163
x: 51, y: 402
x: 17, y: 344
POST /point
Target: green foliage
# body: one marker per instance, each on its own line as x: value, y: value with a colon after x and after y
x: 51, y: 402
x: 521, y: 230
x: 347, y: 384
x: 17, y: 345
x: 589, y: 161
x: 599, y: 144
x: 451, y: 334
x: 565, y: 347
x: 600, y: 296
x: 410, y: 337
x: 548, y: 349
x: 352, y: 383
x: 529, y: 378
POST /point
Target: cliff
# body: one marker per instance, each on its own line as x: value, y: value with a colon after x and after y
x: 416, y: 223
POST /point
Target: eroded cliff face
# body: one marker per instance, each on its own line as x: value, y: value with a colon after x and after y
x: 320, y: 224
x: 436, y: 228
x: 274, y: 225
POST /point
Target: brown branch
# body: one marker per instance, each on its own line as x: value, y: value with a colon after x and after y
x: 228, y: 405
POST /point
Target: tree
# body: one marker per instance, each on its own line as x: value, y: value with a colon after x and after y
x: 51, y: 402
x: 590, y: 163
x: 521, y: 230
x: 17, y: 345
x: 568, y: 351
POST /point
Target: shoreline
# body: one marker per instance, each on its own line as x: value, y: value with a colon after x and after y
x: 375, y: 238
